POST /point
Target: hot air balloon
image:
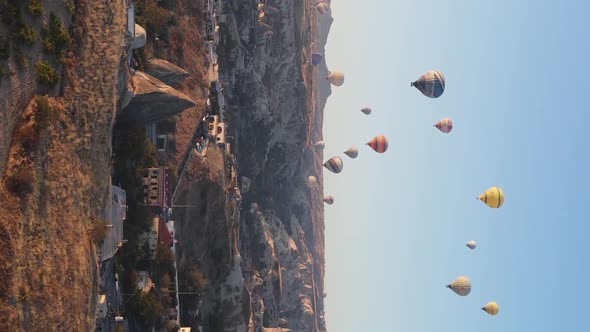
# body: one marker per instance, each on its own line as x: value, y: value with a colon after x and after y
x: 431, y: 84
x: 445, y: 125
x: 311, y: 181
x: 491, y: 308
x: 319, y: 145
x: 493, y: 197
x: 329, y: 199
x: 471, y: 244
x: 322, y: 7
x: 352, y: 152
x: 334, y: 165
x: 336, y: 78
x: 316, y: 58
x: 461, y: 286
x: 366, y: 110
x: 379, y: 143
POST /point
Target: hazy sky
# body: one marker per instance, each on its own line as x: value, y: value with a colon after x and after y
x: 517, y: 92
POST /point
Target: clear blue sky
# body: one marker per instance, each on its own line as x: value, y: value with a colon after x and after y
x: 517, y: 92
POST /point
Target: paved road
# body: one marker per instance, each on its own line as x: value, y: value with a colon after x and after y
x: 112, y: 295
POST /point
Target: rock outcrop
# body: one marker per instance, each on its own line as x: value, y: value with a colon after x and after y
x: 278, y: 114
x: 148, y: 99
x: 166, y: 72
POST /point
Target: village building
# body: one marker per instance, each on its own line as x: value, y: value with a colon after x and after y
x: 115, y: 214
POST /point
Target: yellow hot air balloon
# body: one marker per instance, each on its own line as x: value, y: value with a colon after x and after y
x: 461, y: 286
x: 491, y: 308
x: 493, y: 197
x: 336, y: 78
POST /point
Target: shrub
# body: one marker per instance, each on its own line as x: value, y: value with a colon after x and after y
x: 11, y: 13
x: 21, y: 59
x: 4, y: 48
x: 99, y: 231
x: 35, y: 8
x: 47, y: 74
x: 70, y: 6
x: 20, y: 183
x: 46, y: 114
x: 27, y: 34
x: 55, y: 36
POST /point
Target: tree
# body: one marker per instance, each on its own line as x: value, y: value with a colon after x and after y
x: 146, y: 305
x: 47, y: 74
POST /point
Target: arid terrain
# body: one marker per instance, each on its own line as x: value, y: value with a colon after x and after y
x: 56, y: 181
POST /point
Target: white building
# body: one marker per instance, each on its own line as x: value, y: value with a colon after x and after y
x: 115, y: 214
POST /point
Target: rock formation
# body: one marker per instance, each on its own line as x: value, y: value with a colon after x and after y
x: 149, y: 99
x: 166, y: 72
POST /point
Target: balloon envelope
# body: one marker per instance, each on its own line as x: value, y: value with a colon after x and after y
x: 334, y: 165
x: 366, y: 110
x: 492, y: 308
x: 316, y: 58
x: 431, y: 84
x: 379, y: 143
x: 461, y: 286
x: 471, y: 244
x: 319, y: 145
x: 311, y: 180
x: 322, y: 7
x: 493, y: 197
x: 336, y: 78
x: 352, y: 152
x: 445, y: 125
x: 329, y: 199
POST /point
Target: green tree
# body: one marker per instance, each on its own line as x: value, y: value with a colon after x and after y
x: 47, y: 74
x: 35, y: 7
x: 146, y: 305
x: 27, y: 34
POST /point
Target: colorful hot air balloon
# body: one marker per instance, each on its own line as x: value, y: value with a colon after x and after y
x: 322, y: 7
x: 316, y: 58
x: 334, y: 165
x: 336, y: 78
x: 366, y: 110
x: 471, y: 244
x: 445, y: 125
x: 493, y: 197
x: 491, y: 308
x: 379, y: 143
x: 431, y: 84
x: 352, y: 152
x: 329, y: 199
x: 461, y: 286
x: 312, y: 181
x: 319, y: 145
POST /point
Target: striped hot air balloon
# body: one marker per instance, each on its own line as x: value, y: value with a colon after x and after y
x: 329, y: 199
x: 493, y: 197
x: 366, y: 110
x: 322, y: 7
x: 492, y: 308
x: 461, y: 286
x: 431, y: 84
x: 445, y: 125
x: 334, y: 165
x: 379, y: 143
x: 316, y: 58
x: 336, y: 78
x: 352, y: 152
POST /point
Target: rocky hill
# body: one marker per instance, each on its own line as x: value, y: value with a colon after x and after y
x: 277, y: 115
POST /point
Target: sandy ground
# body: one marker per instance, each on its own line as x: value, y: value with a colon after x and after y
x: 48, y: 260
